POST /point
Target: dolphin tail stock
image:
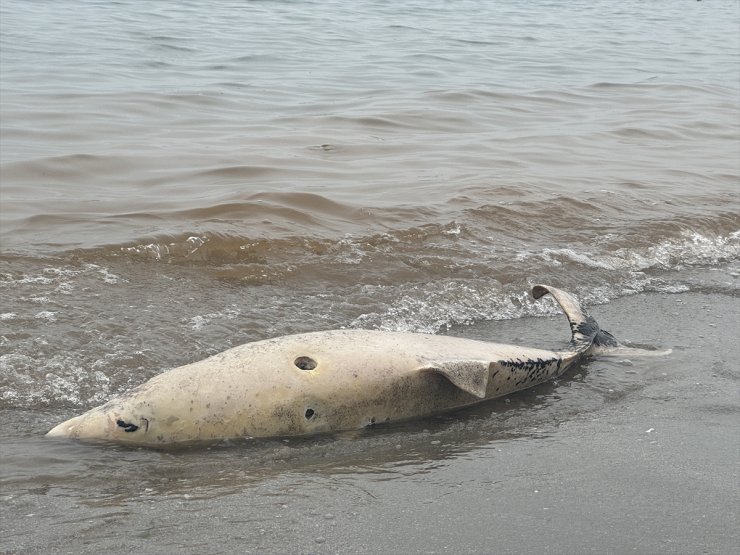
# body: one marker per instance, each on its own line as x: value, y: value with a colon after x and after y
x: 585, y: 331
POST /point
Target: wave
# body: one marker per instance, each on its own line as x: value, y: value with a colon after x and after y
x: 458, y: 251
x: 556, y: 232
x: 113, y: 316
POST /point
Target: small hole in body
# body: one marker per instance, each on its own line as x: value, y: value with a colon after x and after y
x: 309, y: 414
x: 305, y: 363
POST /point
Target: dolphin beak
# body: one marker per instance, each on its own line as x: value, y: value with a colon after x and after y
x: 67, y: 429
x: 91, y: 425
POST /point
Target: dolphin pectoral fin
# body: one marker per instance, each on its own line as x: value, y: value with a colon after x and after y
x: 469, y: 375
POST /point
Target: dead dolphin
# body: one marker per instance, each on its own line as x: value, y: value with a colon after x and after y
x: 328, y: 381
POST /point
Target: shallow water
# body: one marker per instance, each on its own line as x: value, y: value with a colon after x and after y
x: 178, y: 180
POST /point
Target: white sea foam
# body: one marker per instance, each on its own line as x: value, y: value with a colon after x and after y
x: 690, y: 249
x: 47, y: 315
x: 108, y: 277
x: 199, y: 321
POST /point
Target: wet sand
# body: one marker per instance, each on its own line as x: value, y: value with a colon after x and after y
x: 623, y: 455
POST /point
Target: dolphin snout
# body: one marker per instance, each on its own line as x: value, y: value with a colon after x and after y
x: 66, y: 429
x: 91, y: 425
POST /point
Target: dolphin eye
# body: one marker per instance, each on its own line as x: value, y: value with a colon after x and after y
x: 127, y: 427
x: 305, y: 363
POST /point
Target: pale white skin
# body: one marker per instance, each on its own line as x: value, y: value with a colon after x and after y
x: 318, y: 382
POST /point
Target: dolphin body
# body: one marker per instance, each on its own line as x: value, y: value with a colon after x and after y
x: 328, y: 381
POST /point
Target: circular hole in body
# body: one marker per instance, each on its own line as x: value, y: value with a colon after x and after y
x: 305, y: 363
x: 310, y: 413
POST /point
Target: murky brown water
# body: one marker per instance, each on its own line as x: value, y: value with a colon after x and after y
x: 176, y: 180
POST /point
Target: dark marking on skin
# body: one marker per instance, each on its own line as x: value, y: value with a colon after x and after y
x: 587, y: 332
x: 605, y: 339
x: 305, y: 363
x: 588, y: 327
x: 528, y: 365
x: 310, y: 413
x: 530, y: 371
x: 127, y: 427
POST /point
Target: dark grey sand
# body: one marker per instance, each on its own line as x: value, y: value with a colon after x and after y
x: 623, y: 455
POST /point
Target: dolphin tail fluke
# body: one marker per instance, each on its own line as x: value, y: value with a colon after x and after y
x: 585, y: 331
